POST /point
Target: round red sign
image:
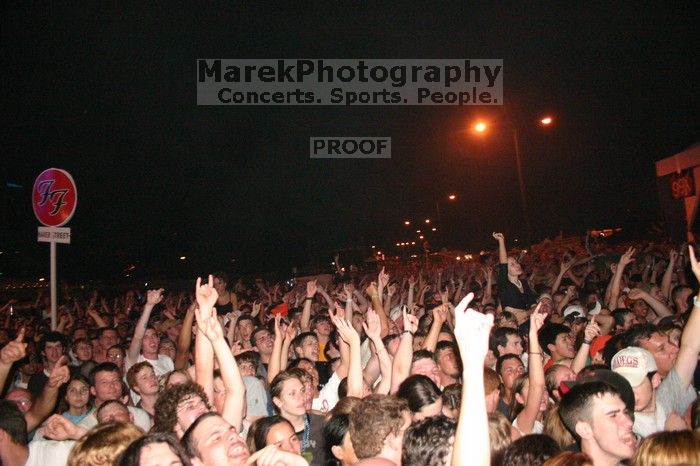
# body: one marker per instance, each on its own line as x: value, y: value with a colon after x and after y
x: 54, y: 197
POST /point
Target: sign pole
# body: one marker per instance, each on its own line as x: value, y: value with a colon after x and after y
x: 53, y: 285
x: 54, y: 199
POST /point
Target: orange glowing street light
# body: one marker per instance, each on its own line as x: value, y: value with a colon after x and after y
x: 546, y: 121
x: 452, y: 197
x: 480, y: 127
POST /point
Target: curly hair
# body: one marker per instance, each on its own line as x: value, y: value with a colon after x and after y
x: 428, y: 442
x: 530, y: 450
x: 385, y: 414
x: 165, y: 408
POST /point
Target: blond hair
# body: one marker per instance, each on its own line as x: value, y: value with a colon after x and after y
x: 670, y: 448
x: 103, y: 444
x: 555, y: 428
x: 499, y: 436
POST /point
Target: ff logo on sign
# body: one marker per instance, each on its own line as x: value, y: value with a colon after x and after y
x: 54, y: 197
x: 350, y: 148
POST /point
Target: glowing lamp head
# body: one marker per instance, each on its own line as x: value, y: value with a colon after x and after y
x: 546, y: 121
x: 480, y: 127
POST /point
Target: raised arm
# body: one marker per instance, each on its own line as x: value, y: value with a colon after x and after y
x: 563, y: 268
x: 625, y: 260
x: 274, y: 367
x: 401, y: 366
x: 659, y: 308
x: 439, y: 317
x: 526, y: 418
x: 373, y: 331
x: 690, y: 342
x: 46, y: 401
x: 9, y: 354
x: 153, y: 297
x: 311, y: 290
x: 184, y: 340
x: 502, y: 252
x: 591, y: 331
x: 668, y: 274
x: 208, y: 324
x: 99, y: 321
x: 350, y: 336
x: 411, y: 289
x: 377, y: 306
x: 472, y: 331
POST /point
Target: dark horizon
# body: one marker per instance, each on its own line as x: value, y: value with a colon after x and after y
x: 110, y: 96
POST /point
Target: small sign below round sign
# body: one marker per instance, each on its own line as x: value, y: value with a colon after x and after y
x: 54, y: 197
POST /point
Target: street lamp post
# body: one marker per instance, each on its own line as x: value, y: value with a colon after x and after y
x: 521, y: 182
x: 481, y: 127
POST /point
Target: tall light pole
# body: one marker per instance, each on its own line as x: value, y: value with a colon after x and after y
x: 480, y: 127
x: 450, y: 197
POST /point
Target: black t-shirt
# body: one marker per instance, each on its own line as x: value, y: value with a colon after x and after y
x: 315, y: 454
x: 510, y: 295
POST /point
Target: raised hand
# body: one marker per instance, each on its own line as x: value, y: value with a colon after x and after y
x: 278, y: 327
x: 591, y: 331
x: 383, y: 278
x: 444, y: 296
x: 694, y: 262
x: 371, y: 289
x: 412, y: 281
x: 153, y: 297
x: 498, y: 236
x: 290, y: 332
x: 58, y: 427
x: 440, y: 313
x: 346, y: 331
x: 472, y: 331
x: 410, y: 322
x: 206, y: 294
x: 14, y: 350
x: 209, y: 325
x: 311, y: 288
x: 373, y: 327
x: 339, y: 312
x: 564, y: 266
x: 628, y: 257
x: 537, y: 319
x: 60, y: 373
x: 635, y: 294
x: 257, y: 305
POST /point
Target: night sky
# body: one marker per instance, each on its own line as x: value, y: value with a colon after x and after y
x: 109, y: 95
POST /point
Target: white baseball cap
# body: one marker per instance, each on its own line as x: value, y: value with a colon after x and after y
x: 633, y: 364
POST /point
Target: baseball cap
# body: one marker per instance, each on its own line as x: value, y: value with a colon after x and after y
x: 574, y: 308
x: 621, y: 385
x: 544, y: 296
x: 595, y: 310
x: 633, y: 364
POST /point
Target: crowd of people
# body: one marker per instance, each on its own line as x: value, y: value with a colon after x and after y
x: 559, y: 356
